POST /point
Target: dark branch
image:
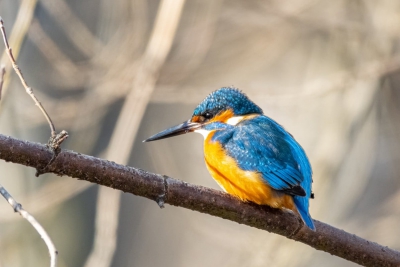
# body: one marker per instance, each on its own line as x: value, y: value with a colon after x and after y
x: 163, y: 189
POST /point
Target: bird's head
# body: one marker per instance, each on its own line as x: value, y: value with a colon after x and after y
x: 223, y: 107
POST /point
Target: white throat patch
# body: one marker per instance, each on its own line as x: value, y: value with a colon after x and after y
x: 203, y: 132
x: 235, y: 120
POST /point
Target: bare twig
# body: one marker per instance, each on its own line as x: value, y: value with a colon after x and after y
x: 326, y: 238
x: 21, y: 26
x: 158, y: 47
x: 2, y: 72
x: 28, y: 89
x: 58, y: 191
x: 55, y: 139
x: 18, y: 208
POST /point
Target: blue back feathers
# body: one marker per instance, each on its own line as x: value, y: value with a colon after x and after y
x: 227, y: 98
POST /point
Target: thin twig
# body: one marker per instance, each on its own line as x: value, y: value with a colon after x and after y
x: 28, y: 89
x: 18, y: 208
x: 17, y: 36
x: 59, y: 191
x: 2, y: 72
x: 178, y: 193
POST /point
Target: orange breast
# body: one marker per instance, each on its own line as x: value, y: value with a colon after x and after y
x: 246, y: 185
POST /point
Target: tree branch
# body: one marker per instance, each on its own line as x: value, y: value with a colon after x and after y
x: 163, y: 189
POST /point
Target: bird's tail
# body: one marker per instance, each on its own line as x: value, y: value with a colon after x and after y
x: 301, y: 205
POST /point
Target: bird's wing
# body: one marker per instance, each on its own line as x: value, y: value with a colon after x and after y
x: 263, y: 146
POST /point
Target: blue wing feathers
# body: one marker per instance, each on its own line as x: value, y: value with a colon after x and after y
x: 303, y: 164
x: 262, y: 145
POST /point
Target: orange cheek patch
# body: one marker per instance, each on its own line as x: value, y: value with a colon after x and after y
x: 224, y: 116
x: 195, y: 119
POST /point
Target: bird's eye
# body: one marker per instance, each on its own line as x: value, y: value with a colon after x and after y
x: 207, y: 115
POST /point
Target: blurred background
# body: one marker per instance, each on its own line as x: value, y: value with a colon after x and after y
x: 112, y: 73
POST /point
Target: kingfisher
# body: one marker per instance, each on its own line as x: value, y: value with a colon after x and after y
x: 248, y: 154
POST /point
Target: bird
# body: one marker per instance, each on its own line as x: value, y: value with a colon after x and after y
x: 248, y: 154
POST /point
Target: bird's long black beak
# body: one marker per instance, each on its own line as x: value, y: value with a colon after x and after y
x: 183, y: 128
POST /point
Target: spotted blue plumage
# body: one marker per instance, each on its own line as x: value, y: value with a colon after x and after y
x: 227, y: 98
